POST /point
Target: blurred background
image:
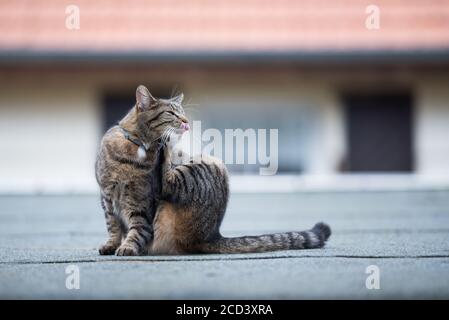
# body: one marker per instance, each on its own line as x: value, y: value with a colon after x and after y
x: 358, y: 89
x: 357, y: 106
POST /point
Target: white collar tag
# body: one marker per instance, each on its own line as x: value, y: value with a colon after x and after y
x: 141, y: 153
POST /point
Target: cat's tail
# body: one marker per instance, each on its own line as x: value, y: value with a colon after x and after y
x: 313, y: 238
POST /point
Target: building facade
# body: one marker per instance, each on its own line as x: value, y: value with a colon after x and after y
x: 353, y: 107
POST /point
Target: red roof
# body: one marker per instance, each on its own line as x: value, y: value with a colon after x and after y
x: 237, y: 25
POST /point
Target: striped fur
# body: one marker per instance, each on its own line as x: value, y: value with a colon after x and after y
x: 314, y: 238
x: 195, y: 197
x: 153, y: 206
x: 130, y: 181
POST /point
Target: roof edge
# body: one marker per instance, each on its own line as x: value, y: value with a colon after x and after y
x: 142, y: 56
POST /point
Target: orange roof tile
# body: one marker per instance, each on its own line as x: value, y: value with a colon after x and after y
x: 240, y: 25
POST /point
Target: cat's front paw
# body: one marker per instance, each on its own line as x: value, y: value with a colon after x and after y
x: 126, y: 250
x: 107, y: 249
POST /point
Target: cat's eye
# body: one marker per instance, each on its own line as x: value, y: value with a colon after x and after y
x: 171, y: 112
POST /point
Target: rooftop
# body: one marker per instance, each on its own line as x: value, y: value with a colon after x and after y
x: 231, y: 25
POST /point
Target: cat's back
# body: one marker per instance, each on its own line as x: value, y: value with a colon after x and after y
x: 112, y: 152
x: 109, y: 141
x: 101, y: 161
x: 111, y: 138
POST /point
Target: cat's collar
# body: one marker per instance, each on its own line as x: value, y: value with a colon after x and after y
x: 134, y: 140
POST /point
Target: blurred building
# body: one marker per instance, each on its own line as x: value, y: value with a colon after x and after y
x: 349, y: 100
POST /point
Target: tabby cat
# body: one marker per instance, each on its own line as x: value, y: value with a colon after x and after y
x: 153, y: 206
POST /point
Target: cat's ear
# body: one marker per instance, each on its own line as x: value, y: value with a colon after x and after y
x: 144, y: 99
x: 178, y: 99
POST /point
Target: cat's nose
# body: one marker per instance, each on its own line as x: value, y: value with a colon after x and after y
x: 185, y: 126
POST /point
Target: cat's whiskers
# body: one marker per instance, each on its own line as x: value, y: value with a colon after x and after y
x: 166, y: 135
x: 162, y: 137
x: 172, y: 130
x: 174, y: 91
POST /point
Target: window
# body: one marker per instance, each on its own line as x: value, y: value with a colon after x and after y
x: 379, y: 132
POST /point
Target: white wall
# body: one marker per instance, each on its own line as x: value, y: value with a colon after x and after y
x: 49, y: 136
x: 305, y: 111
x: 432, y: 128
x: 50, y: 125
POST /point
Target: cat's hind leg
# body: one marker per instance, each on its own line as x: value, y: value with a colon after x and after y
x: 165, y: 231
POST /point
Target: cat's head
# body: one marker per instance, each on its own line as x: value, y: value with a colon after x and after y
x: 158, y: 118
